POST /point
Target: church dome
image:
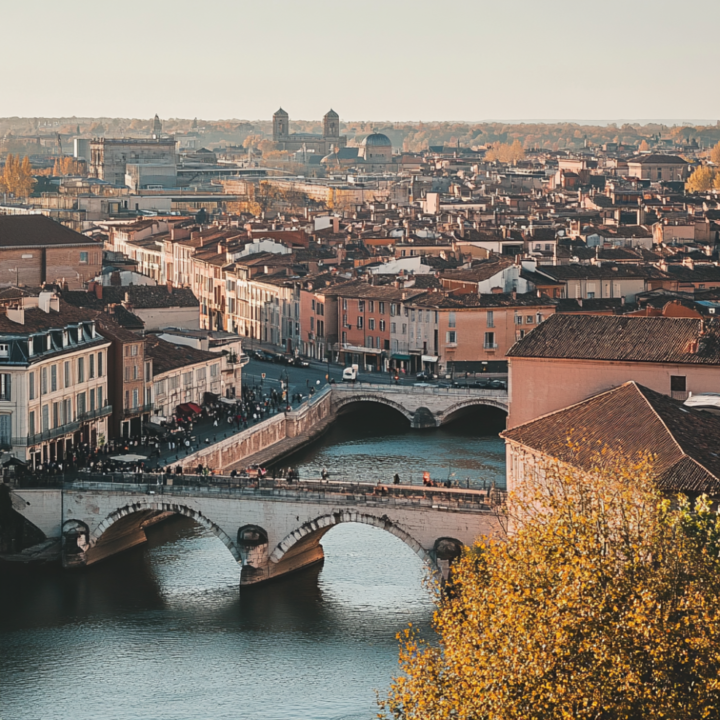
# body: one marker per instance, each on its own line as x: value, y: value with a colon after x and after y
x: 377, y: 140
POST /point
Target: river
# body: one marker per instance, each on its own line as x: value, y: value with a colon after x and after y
x: 162, y: 632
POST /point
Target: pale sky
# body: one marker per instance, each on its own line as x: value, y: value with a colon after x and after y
x: 467, y: 60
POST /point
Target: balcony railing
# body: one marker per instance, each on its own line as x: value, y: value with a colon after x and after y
x: 137, y: 410
x: 490, y: 346
x: 67, y: 428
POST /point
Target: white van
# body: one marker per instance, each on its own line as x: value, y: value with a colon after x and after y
x: 350, y: 373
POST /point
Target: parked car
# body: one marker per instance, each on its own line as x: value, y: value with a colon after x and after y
x: 350, y: 374
x: 425, y: 375
x: 299, y: 362
x: 497, y: 385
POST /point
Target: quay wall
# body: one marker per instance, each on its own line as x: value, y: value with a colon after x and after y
x: 294, y: 424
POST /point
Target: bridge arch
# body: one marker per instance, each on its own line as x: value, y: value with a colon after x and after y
x: 447, y: 414
x: 143, y: 505
x: 374, y: 398
x: 313, y: 531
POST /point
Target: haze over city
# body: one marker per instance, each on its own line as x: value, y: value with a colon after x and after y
x: 470, y: 60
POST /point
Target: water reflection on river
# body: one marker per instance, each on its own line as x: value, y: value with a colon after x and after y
x: 163, y: 633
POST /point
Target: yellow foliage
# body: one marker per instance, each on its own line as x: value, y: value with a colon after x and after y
x: 701, y: 180
x: 68, y: 166
x: 603, y: 604
x: 715, y: 154
x: 505, y: 152
x: 17, y: 177
x: 644, y: 147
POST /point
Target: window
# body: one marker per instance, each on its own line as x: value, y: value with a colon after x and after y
x: 83, y: 258
x: 174, y: 382
x: 345, y: 304
x: 56, y: 415
x: 187, y: 378
x: 538, y: 318
x: 451, y: 336
x: 371, y: 323
x: 127, y: 399
x: 404, y: 329
x: 45, y: 418
x: 490, y: 318
x: 451, y: 319
x: 361, y: 306
x: 91, y: 368
x: 393, y: 327
x: 67, y: 410
x: 678, y: 383
x: 369, y: 341
x: 31, y: 385
x: 344, y: 338
x: 53, y: 378
x: 133, y: 350
x: 92, y: 400
x: 382, y: 326
x: 591, y: 295
x: 412, y: 317
x: 214, y: 370
x: 135, y: 372
x: 99, y: 397
x: 81, y: 404
x: 489, y: 343
x: 371, y: 306
x: 360, y: 322
x: 312, y: 324
x: 518, y: 320
x: 148, y: 372
x: 6, y: 386
x: 3, y: 350
x: 67, y: 374
x: 381, y: 308
x: 312, y: 304
x: 529, y: 320
x: 127, y: 373
x: 520, y: 334
x: 31, y: 423
x: 81, y: 370
x: 136, y: 397
x: 393, y: 310
x: 43, y: 381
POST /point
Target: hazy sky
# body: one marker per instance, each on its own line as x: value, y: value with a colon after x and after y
x: 367, y: 59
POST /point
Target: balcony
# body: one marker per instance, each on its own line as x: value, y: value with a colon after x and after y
x: 137, y: 410
x: 70, y: 427
x: 489, y: 346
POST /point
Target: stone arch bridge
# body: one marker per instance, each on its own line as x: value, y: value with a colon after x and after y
x: 424, y: 407
x: 271, y: 531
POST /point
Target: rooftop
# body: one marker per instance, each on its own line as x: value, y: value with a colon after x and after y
x: 38, y: 231
x: 617, y: 338
x: 634, y: 420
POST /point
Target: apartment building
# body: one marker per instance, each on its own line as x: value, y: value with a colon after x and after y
x: 35, y: 249
x: 182, y: 374
x: 53, y: 380
x: 318, y: 316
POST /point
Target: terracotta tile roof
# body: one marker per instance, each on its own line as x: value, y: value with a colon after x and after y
x: 38, y: 231
x: 169, y: 356
x: 140, y: 296
x: 633, y: 419
x: 484, y: 270
x: 657, y: 159
x: 638, y: 339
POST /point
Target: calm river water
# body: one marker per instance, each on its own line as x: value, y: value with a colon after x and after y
x: 162, y: 632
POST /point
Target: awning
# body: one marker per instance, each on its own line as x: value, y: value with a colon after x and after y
x: 396, y: 356
x: 188, y: 409
x: 228, y: 401
x: 209, y: 397
x: 195, y: 408
x: 430, y: 358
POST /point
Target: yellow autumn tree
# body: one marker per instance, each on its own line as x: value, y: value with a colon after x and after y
x: 506, y: 152
x: 17, y: 177
x: 701, y: 179
x: 603, y: 604
x: 715, y: 154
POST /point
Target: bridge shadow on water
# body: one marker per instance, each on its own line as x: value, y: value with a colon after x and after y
x: 371, y: 442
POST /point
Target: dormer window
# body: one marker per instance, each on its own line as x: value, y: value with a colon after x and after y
x: 4, y: 350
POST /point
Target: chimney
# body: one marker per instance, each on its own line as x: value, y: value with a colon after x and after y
x: 127, y: 297
x: 514, y: 294
x: 44, y: 301
x: 579, y: 302
x: 98, y: 291
x: 16, y: 315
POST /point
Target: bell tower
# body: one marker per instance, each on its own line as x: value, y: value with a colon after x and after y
x: 281, y: 125
x: 331, y: 125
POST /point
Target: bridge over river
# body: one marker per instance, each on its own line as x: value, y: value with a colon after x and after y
x: 271, y: 527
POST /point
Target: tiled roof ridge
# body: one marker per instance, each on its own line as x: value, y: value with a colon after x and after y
x: 504, y: 433
x: 643, y: 391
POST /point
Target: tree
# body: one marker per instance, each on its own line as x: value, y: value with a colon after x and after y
x: 701, y: 180
x: 603, y: 604
x: 17, y: 176
x: 715, y: 154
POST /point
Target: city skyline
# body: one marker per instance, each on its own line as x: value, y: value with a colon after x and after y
x: 398, y: 62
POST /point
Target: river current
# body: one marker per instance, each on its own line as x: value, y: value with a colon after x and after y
x: 162, y: 632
